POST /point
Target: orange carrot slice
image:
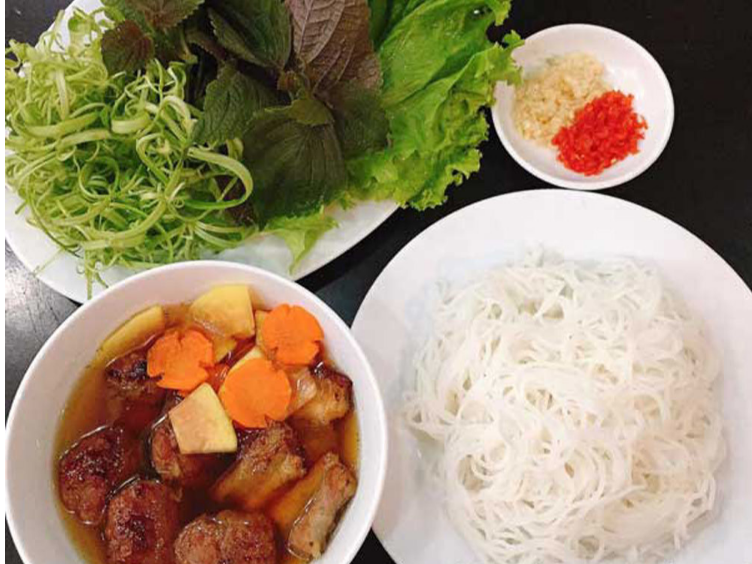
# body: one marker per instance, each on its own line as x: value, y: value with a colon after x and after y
x: 303, y: 353
x: 292, y: 334
x: 181, y: 361
x: 161, y: 354
x: 183, y: 375
x: 197, y: 347
x: 254, y: 391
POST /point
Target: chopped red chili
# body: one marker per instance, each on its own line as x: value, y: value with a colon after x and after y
x: 605, y: 131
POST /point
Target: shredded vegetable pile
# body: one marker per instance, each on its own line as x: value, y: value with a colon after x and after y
x: 106, y: 165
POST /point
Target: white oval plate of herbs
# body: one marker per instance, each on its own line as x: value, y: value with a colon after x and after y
x: 63, y: 272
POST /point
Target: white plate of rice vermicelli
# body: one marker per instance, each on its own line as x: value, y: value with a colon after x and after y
x: 568, y: 379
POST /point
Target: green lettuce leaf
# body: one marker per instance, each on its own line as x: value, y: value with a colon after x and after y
x: 300, y: 233
x: 394, y: 12
x: 434, y: 99
x: 410, y: 57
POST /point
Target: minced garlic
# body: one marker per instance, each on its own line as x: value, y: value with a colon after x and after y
x: 547, y: 100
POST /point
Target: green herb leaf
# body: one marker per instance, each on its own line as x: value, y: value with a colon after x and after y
x: 300, y: 233
x: 171, y: 45
x: 310, y: 111
x: 331, y: 41
x: 206, y: 42
x: 290, y: 81
x: 364, y: 66
x: 231, y: 101
x: 198, y: 31
x: 164, y: 14
x: 360, y: 121
x: 119, y: 10
x: 257, y: 31
x: 379, y: 19
x: 200, y: 76
x: 297, y: 166
x: 125, y: 48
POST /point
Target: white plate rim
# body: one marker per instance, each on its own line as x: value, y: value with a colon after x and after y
x: 358, y: 320
x: 524, y: 193
x: 629, y: 174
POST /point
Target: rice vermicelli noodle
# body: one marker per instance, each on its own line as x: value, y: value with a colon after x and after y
x: 575, y: 412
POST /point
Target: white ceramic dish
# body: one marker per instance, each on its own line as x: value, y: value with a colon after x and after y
x: 32, y: 514
x: 393, y: 321
x: 629, y: 68
x: 62, y: 272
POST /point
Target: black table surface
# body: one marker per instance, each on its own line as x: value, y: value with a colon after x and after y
x: 702, y: 181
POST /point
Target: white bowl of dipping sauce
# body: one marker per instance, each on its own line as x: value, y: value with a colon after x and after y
x: 35, y: 521
x: 628, y: 67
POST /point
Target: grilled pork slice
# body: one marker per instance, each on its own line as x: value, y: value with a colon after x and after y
x: 309, y: 533
x: 332, y: 399
x: 267, y: 460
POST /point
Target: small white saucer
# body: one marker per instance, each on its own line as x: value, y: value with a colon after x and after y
x: 629, y: 68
